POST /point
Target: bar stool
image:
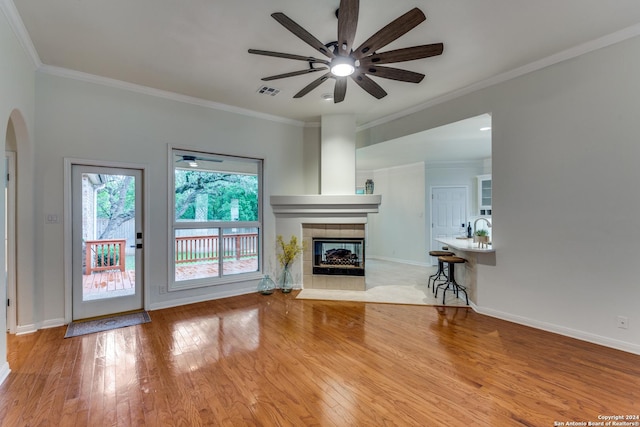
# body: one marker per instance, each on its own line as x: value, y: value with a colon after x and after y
x: 451, y: 283
x: 440, y: 273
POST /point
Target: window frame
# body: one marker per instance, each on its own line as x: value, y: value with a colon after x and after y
x: 221, y: 226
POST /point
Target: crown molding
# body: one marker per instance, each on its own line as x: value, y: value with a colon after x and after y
x: 15, y: 22
x: 145, y: 90
x: 599, y: 43
x: 9, y: 10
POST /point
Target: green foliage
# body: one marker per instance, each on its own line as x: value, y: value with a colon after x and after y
x: 115, y: 201
x: 221, y: 190
x: 288, y: 251
x: 106, y: 256
x: 482, y: 232
x: 108, y: 197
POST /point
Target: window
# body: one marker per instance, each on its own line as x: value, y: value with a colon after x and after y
x: 216, y: 211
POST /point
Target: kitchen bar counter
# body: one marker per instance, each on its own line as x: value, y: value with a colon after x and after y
x: 465, y: 244
x: 467, y: 273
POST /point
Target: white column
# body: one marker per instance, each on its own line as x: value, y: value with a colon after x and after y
x: 338, y: 155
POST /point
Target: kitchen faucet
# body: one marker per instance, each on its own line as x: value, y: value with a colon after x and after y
x: 476, y: 222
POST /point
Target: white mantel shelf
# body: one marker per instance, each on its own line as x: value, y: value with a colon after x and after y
x: 320, y: 204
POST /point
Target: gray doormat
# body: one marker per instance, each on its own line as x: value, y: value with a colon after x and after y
x: 105, y: 324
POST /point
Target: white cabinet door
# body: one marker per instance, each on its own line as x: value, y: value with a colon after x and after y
x: 484, y: 194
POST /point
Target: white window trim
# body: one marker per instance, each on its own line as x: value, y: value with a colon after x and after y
x: 221, y: 225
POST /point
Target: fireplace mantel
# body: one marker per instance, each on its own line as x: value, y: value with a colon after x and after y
x: 320, y: 204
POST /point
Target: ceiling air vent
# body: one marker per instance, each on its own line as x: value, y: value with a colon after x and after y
x: 266, y: 90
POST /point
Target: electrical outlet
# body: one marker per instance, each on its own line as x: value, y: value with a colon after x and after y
x: 623, y: 322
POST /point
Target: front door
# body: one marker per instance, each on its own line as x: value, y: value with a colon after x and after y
x: 106, y: 241
x: 448, y: 214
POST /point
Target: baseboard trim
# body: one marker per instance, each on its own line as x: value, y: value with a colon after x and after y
x: 52, y: 323
x: 26, y: 329
x: 4, y: 372
x: 201, y: 298
x: 560, y: 330
x: 34, y: 327
x: 400, y: 261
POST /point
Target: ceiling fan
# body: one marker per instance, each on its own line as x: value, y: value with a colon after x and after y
x: 358, y: 63
x: 192, y: 161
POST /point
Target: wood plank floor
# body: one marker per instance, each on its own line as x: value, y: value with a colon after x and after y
x: 273, y: 360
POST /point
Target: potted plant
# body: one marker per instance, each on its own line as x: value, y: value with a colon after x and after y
x: 482, y: 237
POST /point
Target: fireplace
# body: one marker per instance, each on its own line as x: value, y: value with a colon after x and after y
x: 338, y: 256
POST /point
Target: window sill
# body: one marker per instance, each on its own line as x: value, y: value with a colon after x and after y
x: 210, y: 282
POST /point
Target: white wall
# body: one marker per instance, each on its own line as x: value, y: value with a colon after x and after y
x: 311, y: 160
x: 401, y: 230
x: 565, y: 200
x: 391, y: 233
x: 88, y: 121
x: 17, y: 105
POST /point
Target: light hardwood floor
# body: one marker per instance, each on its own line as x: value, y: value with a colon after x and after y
x: 275, y: 360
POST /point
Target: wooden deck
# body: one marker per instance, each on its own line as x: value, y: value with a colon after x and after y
x: 209, y: 269
x: 106, y: 284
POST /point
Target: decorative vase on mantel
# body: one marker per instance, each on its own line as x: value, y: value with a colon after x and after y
x: 266, y: 285
x: 368, y: 186
x: 286, y: 280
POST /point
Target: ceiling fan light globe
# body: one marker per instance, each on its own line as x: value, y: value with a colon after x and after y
x: 342, y: 66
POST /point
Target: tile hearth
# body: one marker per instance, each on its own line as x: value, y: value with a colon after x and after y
x: 390, y: 282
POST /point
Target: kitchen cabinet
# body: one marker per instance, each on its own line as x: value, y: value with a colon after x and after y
x: 484, y: 194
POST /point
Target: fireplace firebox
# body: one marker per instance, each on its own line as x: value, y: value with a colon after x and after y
x: 338, y: 256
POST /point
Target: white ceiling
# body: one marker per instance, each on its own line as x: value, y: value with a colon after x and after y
x: 462, y: 141
x: 199, y: 48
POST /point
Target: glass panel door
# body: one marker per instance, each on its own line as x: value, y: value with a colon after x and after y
x: 107, y: 241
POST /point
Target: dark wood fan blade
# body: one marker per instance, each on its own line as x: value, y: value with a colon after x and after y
x: 340, y: 90
x: 389, y: 33
x: 289, y: 56
x: 392, y: 73
x: 292, y: 74
x: 369, y: 85
x: 406, y: 54
x: 311, y: 86
x: 302, y: 34
x: 347, y: 23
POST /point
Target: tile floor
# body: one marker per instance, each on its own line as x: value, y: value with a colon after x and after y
x: 390, y: 282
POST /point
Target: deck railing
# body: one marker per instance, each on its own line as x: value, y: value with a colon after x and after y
x: 206, y: 248
x: 104, y: 255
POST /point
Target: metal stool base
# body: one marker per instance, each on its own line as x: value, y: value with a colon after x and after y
x: 451, y: 285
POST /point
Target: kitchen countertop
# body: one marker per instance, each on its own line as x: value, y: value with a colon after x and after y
x: 464, y: 244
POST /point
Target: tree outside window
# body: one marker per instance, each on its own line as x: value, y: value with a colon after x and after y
x: 216, y: 218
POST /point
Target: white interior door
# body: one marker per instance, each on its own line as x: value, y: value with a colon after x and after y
x: 106, y: 241
x: 448, y: 213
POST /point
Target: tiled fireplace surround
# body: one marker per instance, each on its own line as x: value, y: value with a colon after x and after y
x: 325, y: 216
x: 321, y: 281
